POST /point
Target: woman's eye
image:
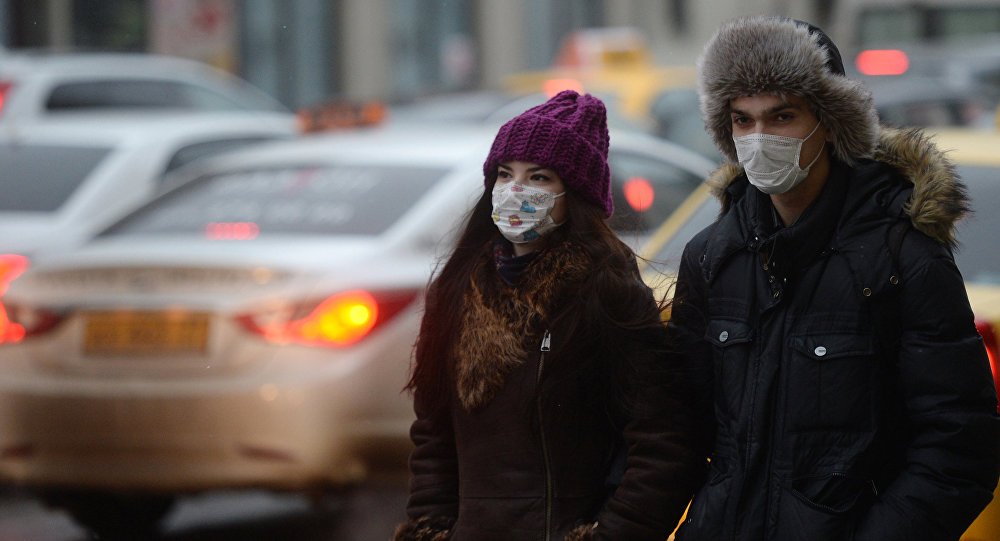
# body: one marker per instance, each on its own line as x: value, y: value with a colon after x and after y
x: 540, y: 178
x: 503, y: 174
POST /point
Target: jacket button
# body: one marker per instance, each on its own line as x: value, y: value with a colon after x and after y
x: 820, y: 351
x: 776, y: 294
x: 867, y: 292
x: 893, y: 279
x: 723, y: 336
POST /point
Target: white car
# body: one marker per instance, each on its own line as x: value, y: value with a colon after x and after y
x: 63, y: 180
x: 253, y: 325
x: 37, y: 84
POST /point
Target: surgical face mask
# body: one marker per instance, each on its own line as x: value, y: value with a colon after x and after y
x: 771, y: 162
x: 523, y: 213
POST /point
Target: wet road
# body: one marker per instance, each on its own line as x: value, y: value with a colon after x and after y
x: 368, y: 513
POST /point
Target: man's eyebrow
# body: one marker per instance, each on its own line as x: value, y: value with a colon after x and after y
x: 772, y: 110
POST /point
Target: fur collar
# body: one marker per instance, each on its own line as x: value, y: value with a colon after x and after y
x: 501, y: 320
x: 939, y: 198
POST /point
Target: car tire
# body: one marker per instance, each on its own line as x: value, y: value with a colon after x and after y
x: 115, y: 516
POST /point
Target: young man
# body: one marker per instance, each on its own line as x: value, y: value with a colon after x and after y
x: 853, y: 398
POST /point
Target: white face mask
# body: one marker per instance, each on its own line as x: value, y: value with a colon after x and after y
x: 522, y: 213
x: 771, y: 162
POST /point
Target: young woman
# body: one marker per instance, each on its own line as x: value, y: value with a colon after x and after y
x: 548, y: 404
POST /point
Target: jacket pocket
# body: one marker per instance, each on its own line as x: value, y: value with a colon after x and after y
x: 730, y: 341
x: 822, y: 507
x: 830, y: 382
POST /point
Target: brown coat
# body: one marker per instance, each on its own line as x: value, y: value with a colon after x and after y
x: 530, y: 441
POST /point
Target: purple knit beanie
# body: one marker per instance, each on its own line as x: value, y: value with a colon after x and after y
x: 568, y: 134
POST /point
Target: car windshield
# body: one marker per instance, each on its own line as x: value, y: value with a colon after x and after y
x: 139, y: 94
x: 321, y: 200
x: 40, y: 178
x: 977, y: 256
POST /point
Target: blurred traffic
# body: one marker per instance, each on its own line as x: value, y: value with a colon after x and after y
x: 204, y: 288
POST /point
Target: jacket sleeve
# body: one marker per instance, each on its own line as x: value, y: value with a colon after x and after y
x: 662, y: 466
x: 433, y: 503
x: 950, y: 466
x: 687, y: 326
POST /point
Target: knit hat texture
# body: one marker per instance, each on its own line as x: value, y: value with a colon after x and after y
x: 568, y: 134
x: 783, y: 56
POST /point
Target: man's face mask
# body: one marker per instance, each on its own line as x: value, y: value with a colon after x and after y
x: 771, y: 162
x: 523, y: 213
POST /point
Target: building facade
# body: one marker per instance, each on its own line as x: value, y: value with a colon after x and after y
x: 306, y: 51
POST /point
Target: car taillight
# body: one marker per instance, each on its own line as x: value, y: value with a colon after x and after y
x: 337, y: 321
x: 4, y: 91
x: 11, y: 266
x: 32, y: 321
x: 882, y: 62
x: 989, y: 335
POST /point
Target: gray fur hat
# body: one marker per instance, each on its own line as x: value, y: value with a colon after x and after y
x: 783, y: 56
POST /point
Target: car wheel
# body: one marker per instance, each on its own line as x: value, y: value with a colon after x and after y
x: 115, y: 516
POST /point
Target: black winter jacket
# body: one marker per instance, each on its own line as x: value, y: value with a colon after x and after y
x: 853, y: 398
x: 528, y: 446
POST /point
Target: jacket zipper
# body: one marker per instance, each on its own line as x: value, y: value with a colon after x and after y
x: 546, y: 341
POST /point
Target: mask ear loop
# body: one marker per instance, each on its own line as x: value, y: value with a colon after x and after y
x: 818, y: 154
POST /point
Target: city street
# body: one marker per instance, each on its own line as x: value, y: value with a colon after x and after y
x: 367, y: 514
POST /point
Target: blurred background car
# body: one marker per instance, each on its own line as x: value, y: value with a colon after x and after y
x: 615, y: 63
x: 954, y: 83
x: 64, y: 179
x: 978, y: 164
x: 38, y: 84
x: 930, y: 102
x: 252, y: 326
x: 872, y: 24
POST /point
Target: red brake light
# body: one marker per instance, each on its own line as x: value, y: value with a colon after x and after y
x: 639, y: 193
x: 337, y: 321
x: 4, y: 90
x: 989, y: 334
x: 232, y: 230
x: 11, y: 266
x: 882, y: 62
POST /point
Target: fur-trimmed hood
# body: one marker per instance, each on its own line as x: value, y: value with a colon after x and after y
x: 938, y: 200
x: 782, y: 56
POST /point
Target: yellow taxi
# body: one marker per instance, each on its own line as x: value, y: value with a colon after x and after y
x: 978, y: 164
x: 612, y: 62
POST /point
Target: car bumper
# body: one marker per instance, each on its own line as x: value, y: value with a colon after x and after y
x: 326, y: 425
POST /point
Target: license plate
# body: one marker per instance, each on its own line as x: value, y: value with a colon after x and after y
x: 145, y: 333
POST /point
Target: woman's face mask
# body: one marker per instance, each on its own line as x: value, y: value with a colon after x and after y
x: 523, y: 213
x: 771, y: 162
